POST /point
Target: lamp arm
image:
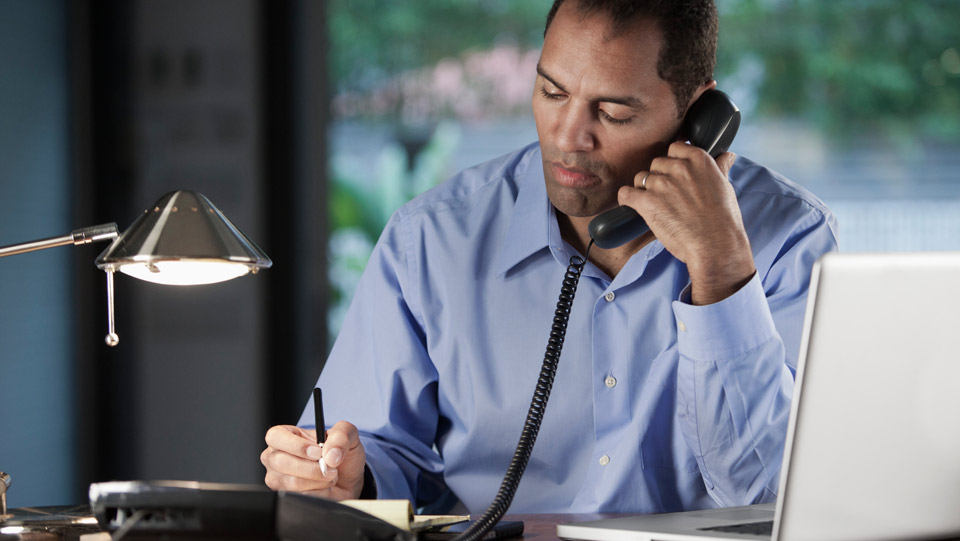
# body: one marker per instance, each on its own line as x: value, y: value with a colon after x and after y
x: 86, y: 235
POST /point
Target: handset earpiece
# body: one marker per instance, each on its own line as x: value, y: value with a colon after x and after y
x: 711, y: 124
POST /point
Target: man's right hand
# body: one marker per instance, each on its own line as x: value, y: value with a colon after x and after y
x: 292, y: 461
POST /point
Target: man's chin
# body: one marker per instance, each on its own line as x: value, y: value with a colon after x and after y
x: 582, y: 213
x: 579, y: 204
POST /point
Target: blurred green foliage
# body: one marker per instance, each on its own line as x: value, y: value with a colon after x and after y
x: 885, y: 67
x: 361, y: 204
x: 374, y: 40
x: 366, y: 204
x: 852, y: 67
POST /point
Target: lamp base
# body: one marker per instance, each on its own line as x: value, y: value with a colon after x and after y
x: 66, y: 522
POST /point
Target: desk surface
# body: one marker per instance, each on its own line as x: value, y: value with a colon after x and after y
x: 544, y: 527
x: 536, y: 527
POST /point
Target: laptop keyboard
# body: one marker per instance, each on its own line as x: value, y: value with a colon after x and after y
x: 763, y: 528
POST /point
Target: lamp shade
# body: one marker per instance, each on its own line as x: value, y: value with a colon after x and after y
x: 183, y: 239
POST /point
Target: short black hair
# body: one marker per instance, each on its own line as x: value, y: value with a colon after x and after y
x: 688, y: 55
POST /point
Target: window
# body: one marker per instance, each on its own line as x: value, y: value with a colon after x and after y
x: 857, y: 101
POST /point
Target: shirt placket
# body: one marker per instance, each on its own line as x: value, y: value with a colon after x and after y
x: 610, y: 393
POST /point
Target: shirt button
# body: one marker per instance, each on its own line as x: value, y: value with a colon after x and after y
x: 681, y: 325
x: 610, y: 382
x: 604, y: 460
x: 610, y: 296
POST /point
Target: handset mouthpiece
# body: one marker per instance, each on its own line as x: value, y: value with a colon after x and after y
x: 616, y: 227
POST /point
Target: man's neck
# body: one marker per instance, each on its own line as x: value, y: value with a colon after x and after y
x: 574, y: 230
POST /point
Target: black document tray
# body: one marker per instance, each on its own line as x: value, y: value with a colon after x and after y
x: 190, y: 509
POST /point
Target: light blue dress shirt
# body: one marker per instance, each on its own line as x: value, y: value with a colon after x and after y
x: 658, y: 405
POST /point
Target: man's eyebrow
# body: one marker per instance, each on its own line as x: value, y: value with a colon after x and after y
x: 628, y: 101
x: 547, y: 77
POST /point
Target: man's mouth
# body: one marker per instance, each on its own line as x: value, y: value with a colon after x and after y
x: 573, y: 177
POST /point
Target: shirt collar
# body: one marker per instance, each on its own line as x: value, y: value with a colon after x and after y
x: 533, y: 220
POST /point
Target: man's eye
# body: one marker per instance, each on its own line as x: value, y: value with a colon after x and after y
x: 613, y: 120
x: 549, y: 95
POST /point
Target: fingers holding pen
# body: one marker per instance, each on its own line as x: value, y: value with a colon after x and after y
x: 343, y: 442
x: 342, y: 439
x: 327, y: 463
x: 291, y: 439
x: 289, y: 463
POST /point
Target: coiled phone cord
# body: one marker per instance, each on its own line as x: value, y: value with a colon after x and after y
x: 531, y: 427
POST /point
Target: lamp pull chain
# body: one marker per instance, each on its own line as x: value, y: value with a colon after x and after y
x: 111, y: 339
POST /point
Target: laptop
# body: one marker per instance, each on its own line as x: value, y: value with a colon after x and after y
x: 873, y: 441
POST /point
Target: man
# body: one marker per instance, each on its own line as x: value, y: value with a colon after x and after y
x: 674, y: 384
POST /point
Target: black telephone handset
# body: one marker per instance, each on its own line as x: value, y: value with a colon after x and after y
x: 711, y: 124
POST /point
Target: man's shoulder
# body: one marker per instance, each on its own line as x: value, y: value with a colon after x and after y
x: 493, y: 179
x: 778, y: 213
x: 754, y: 181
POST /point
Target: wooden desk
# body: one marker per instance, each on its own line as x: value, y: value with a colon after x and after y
x: 544, y: 527
x: 535, y: 527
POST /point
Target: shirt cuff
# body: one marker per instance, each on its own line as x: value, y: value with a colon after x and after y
x: 724, y: 329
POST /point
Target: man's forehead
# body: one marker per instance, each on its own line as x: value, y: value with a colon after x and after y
x: 635, y: 41
x: 580, y: 50
x: 610, y: 27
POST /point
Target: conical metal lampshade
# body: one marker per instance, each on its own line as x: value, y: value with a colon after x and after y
x: 183, y: 239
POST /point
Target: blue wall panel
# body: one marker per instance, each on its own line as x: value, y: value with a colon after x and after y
x: 35, y: 357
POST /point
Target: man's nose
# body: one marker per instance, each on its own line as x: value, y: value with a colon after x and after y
x: 575, y: 130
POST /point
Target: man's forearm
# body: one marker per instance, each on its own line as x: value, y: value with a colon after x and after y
x: 733, y: 393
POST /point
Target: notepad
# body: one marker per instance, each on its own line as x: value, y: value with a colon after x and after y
x: 400, y: 513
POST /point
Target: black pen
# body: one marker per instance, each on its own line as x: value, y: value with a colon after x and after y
x: 321, y: 425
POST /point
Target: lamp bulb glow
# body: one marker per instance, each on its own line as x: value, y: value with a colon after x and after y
x: 185, y: 272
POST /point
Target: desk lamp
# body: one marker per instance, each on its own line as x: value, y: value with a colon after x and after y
x: 182, y: 239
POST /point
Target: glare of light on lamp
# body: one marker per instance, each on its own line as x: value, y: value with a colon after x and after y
x: 185, y: 272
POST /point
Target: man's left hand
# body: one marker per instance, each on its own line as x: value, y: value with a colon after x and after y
x: 691, y: 207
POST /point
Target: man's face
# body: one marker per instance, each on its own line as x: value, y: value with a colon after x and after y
x: 601, y: 110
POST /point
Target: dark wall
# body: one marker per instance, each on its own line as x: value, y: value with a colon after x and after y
x: 224, y: 97
x: 36, y: 365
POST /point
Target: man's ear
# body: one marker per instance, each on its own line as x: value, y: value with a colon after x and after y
x: 699, y: 92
